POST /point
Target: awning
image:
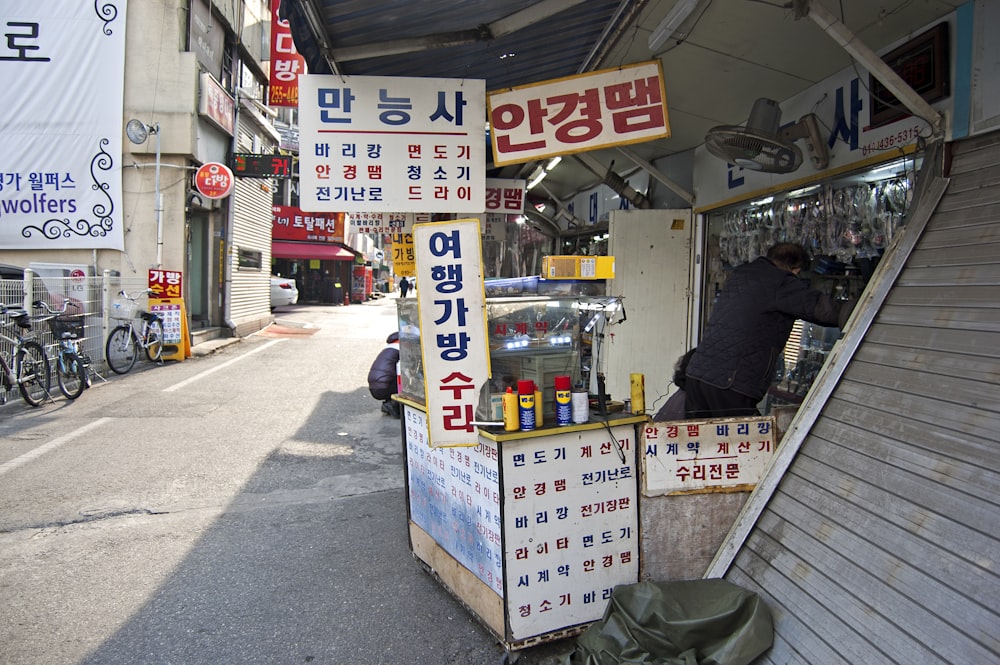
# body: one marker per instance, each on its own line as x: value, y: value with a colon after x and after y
x: 311, y: 250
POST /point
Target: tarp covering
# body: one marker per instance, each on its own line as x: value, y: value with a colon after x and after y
x: 696, y: 622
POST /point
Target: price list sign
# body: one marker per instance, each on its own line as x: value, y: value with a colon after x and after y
x: 570, y: 526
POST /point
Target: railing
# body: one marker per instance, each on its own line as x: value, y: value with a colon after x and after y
x: 95, y: 296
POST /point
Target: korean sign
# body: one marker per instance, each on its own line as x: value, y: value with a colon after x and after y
x: 385, y: 222
x: 214, y: 180
x: 704, y: 456
x: 391, y: 144
x: 571, y: 532
x: 62, y: 65
x: 286, y: 63
x: 453, y: 320
x: 404, y: 262
x: 579, y: 113
x: 292, y: 223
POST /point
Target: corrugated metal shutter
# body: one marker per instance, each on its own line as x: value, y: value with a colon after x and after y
x: 250, y: 307
x: 881, y: 541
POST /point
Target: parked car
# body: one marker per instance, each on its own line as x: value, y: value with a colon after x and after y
x: 283, y: 291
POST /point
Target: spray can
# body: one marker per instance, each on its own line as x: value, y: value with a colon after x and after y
x: 510, y: 411
x: 539, y: 407
x: 581, y: 405
x: 564, y: 405
x: 526, y: 404
x: 638, y: 385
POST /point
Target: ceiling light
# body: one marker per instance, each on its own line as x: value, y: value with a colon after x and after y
x: 668, y: 26
x: 553, y: 163
x: 536, y: 177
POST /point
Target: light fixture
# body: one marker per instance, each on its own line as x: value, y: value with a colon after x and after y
x: 137, y: 132
x: 537, y: 176
x: 673, y: 20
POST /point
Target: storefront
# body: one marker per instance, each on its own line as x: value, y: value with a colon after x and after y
x: 309, y: 248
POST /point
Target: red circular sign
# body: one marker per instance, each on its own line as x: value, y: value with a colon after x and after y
x: 214, y: 180
x: 77, y: 275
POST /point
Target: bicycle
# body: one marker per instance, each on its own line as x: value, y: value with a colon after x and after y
x: 72, y: 367
x: 125, y: 340
x: 28, y: 368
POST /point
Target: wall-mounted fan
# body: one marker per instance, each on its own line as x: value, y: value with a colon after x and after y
x: 763, y: 145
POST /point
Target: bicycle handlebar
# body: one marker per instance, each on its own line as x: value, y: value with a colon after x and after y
x: 41, y: 304
x: 135, y: 296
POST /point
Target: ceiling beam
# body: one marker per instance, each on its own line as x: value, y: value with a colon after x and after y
x: 659, y: 175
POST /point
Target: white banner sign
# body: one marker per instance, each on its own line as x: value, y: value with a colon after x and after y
x: 384, y: 144
x: 62, y: 64
x: 453, y: 341
x: 385, y: 222
x: 706, y: 456
x: 579, y: 113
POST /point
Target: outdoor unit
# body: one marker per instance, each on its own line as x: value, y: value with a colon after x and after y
x: 578, y: 267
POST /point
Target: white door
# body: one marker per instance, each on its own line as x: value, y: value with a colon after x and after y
x: 653, y: 272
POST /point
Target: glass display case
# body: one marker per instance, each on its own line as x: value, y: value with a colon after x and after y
x: 536, y: 338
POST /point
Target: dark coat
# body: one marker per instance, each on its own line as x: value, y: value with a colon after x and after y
x: 382, y: 375
x: 751, y: 323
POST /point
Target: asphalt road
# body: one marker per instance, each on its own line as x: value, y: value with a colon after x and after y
x: 244, y: 507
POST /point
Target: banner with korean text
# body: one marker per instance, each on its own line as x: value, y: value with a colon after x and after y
x: 62, y: 63
x: 606, y: 108
x: 293, y: 223
x: 378, y: 223
x: 286, y: 63
x: 452, y: 314
x: 391, y: 144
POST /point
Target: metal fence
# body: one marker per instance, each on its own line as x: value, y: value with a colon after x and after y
x: 95, y: 299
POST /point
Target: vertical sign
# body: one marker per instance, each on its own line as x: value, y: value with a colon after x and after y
x: 404, y: 261
x: 455, y: 498
x: 706, y: 456
x: 385, y: 144
x: 570, y: 526
x: 286, y: 63
x: 452, y: 310
x: 579, y: 113
x: 62, y: 64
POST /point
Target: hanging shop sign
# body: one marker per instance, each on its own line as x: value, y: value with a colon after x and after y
x: 214, y: 180
x: 384, y: 144
x: 404, y: 261
x: 249, y: 165
x: 375, y: 223
x: 293, y: 223
x: 601, y: 109
x: 505, y: 196
x: 452, y: 305
x: 215, y: 104
x: 286, y: 63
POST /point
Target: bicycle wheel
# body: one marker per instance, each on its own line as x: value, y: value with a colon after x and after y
x: 70, y: 373
x: 120, y: 351
x: 33, y: 373
x: 154, y: 340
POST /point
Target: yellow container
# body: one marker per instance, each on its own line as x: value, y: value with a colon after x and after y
x: 510, y: 416
x: 638, y: 385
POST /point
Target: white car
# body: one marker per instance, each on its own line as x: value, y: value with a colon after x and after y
x: 283, y: 291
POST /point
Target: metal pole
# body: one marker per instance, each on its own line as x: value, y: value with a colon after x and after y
x: 158, y: 206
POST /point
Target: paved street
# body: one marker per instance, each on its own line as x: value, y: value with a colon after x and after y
x: 242, y: 507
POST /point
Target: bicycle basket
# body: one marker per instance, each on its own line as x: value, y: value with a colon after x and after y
x: 66, y: 324
x: 124, y: 310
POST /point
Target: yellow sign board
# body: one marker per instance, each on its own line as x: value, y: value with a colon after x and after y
x: 404, y: 259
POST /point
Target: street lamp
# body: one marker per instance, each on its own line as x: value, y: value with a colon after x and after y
x: 137, y: 132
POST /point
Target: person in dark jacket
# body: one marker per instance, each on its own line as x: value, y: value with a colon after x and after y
x: 404, y: 286
x: 734, y: 363
x: 382, y: 376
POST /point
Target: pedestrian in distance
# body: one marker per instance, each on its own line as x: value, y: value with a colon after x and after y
x: 404, y: 286
x: 732, y: 368
x: 382, y: 376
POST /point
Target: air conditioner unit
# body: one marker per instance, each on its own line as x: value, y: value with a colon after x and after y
x: 578, y: 267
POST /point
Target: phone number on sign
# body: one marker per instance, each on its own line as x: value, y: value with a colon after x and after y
x: 899, y: 139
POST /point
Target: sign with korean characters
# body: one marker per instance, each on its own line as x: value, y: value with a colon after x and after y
x: 606, y: 108
x: 692, y: 456
x: 455, y: 498
x: 391, y: 144
x: 375, y: 223
x: 166, y: 300
x: 571, y: 532
x: 286, y: 63
x: 404, y: 262
x: 62, y: 64
x: 505, y: 197
x: 214, y: 180
x: 293, y: 223
x: 452, y: 314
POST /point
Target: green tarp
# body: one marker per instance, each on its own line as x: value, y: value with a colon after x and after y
x: 696, y: 622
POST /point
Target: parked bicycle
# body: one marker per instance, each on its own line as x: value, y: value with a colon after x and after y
x: 72, y: 366
x: 26, y: 365
x: 126, y: 339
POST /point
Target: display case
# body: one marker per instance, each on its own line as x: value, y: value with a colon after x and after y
x: 536, y: 338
